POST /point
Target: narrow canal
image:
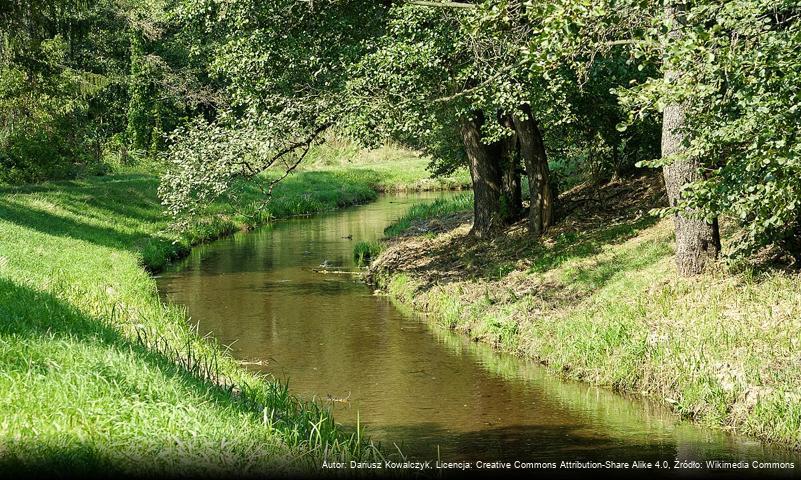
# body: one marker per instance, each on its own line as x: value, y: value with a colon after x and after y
x: 434, y: 394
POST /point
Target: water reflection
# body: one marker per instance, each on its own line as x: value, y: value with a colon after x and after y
x: 411, y: 384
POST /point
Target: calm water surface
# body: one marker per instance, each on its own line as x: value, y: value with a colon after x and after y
x: 411, y: 384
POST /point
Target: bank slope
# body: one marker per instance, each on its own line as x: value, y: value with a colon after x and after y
x: 96, y: 374
x: 599, y: 300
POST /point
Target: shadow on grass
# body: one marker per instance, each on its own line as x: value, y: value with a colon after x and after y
x: 51, y: 224
x: 102, y: 199
x: 591, y: 219
x: 38, y: 316
x: 639, y: 257
x: 576, y: 245
x: 129, y: 196
x: 465, y: 258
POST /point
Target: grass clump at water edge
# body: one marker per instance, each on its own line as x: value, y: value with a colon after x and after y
x: 426, y: 211
x: 363, y: 252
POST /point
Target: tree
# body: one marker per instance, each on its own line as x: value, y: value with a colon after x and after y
x: 46, y: 92
x: 283, y: 66
x: 733, y: 68
x: 486, y: 173
x: 439, y: 74
x: 532, y: 149
x: 697, y: 240
x: 456, y: 81
x: 743, y: 66
x: 76, y: 76
x: 507, y: 87
x: 697, y: 237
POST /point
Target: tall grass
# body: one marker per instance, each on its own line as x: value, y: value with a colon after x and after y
x: 96, y: 373
x: 364, y: 252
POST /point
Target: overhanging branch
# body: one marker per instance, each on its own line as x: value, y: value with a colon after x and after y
x: 304, y: 145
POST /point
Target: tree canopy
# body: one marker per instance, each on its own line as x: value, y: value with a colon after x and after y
x: 556, y: 92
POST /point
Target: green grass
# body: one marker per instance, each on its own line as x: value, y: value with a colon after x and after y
x: 606, y: 306
x: 97, y: 373
x: 426, y: 211
x: 363, y: 252
x: 397, y: 169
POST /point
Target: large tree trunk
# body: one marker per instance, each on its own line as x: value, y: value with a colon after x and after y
x: 532, y: 149
x: 512, y: 189
x: 697, y: 241
x: 486, y: 174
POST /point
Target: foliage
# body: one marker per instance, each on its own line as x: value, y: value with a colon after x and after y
x: 743, y: 70
x: 283, y: 65
x: 205, y: 161
x: 400, y: 88
x: 137, y: 130
x: 85, y: 86
x: 42, y: 112
x: 433, y: 66
x: 48, y: 89
x: 737, y: 79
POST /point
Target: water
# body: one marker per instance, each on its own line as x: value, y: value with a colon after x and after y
x: 411, y: 384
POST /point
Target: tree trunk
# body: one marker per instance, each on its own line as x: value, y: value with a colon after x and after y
x: 697, y: 241
x: 512, y: 196
x: 617, y: 165
x: 532, y: 149
x: 485, y: 172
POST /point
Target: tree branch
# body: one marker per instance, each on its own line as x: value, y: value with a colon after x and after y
x: 630, y: 41
x: 466, y: 91
x: 445, y: 4
x: 305, y: 144
x: 300, y: 158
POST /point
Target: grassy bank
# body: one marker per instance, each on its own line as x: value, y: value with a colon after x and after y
x: 394, y: 169
x: 425, y: 214
x: 599, y: 300
x: 97, y: 373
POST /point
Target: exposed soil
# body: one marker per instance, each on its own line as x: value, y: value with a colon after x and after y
x: 441, y: 250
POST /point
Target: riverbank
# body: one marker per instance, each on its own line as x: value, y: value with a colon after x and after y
x: 97, y: 374
x: 392, y: 168
x: 598, y: 300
